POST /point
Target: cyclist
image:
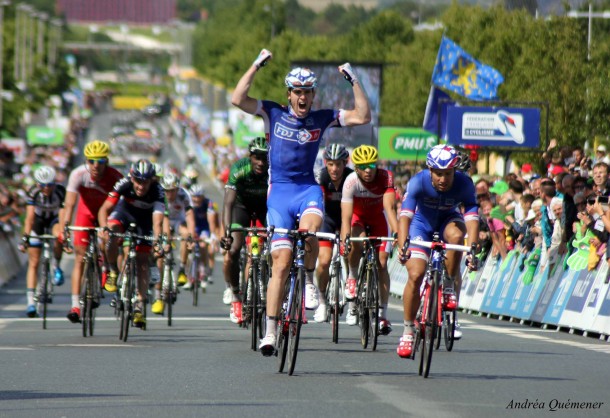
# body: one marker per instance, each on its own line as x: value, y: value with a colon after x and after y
x: 369, y: 200
x: 331, y: 178
x: 206, y: 226
x: 45, y: 205
x: 245, y: 200
x: 189, y: 176
x: 135, y: 199
x: 92, y: 182
x: 179, y: 217
x: 294, y: 134
x: 432, y: 203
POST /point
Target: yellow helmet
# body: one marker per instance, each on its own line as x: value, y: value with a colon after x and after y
x: 364, y: 154
x: 97, y: 149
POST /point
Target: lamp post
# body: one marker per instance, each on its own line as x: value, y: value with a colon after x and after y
x: 2, y: 4
x: 42, y: 18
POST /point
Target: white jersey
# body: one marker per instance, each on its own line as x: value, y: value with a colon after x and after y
x: 176, y: 210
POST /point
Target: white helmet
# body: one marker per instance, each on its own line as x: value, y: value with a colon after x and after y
x: 301, y: 78
x: 44, y: 174
x: 196, y: 190
x: 170, y: 181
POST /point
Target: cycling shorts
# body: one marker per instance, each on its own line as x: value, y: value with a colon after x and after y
x: 285, y: 202
x: 331, y: 226
x: 41, y: 227
x: 121, y: 216
x: 378, y: 227
x: 423, y: 231
x: 83, y: 218
x: 241, y: 217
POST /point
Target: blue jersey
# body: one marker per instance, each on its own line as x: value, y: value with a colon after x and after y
x: 201, y: 216
x: 424, y: 203
x: 294, y: 142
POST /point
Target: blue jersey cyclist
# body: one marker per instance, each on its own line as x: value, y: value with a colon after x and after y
x: 433, y: 202
x: 294, y: 133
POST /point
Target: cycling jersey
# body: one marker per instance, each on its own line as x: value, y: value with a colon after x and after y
x: 202, y: 226
x: 332, y: 195
x: 251, y: 188
x: 294, y: 142
x: 367, y: 198
x: 91, y: 197
x: 47, y: 207
x: 91, y: 193
x: 176, y: 210
x: 367, y: 201
x: 431, y: 210
x: 131, y: 208
x: 46, y: 210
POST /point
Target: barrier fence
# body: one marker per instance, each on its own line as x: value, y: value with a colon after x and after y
x: 577, y: 299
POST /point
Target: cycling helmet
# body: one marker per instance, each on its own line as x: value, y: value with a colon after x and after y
x: 442, y: 157
x: 97, y: 149
x: 170, y: 181
x: 44, y: 174
x: 158, y: 170
x: 465, y: 163
x: 196, y: 190
x: 301, y: 78
x: 258, y: 145
x: 335, y: 152
x: 364, y: 154
x: 142, y: 170
x: 190, y: 172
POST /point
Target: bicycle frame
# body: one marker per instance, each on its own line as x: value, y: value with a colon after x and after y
x: 44, y: 286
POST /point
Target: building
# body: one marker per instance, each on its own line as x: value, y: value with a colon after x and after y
x: 140, y: 12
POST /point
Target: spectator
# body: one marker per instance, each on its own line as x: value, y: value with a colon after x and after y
x: 497, y: 231
x: 557, y: 246
x: 482, y: 189
x: 600, y: 178
x: 601, y: 155
x: 569, y: 207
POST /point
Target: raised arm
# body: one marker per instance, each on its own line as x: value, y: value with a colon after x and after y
x: 240, y: 96
x: 361, y: 113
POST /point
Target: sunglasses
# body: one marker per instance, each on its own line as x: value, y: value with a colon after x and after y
x: 98, y: 160
x: 140, y: 181
x: 43, y: 185
x: 482, y: 195
x: 300, y: 92
x: 363, y: 167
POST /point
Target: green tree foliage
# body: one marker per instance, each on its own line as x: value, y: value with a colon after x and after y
x: 541, y: 60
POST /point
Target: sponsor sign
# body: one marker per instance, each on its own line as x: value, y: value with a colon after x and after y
x: 493, y: 127
x: 406, y: 144
x: 41, y: 135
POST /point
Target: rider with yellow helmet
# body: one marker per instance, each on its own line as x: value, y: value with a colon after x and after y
x: 92, y: 181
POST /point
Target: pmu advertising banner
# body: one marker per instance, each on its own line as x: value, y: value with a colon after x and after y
x: 493, y: 126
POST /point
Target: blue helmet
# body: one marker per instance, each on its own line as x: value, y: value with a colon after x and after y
x: 442, y: 157
x: 301, y: 78
x: 142, y: 170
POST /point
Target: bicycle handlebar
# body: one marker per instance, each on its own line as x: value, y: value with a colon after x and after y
x: 445, y: 246
x: 372, y: 238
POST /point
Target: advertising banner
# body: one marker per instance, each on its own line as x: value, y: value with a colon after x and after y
x: 493, y: 127
x: 41, y: 135
x: 405, y: 144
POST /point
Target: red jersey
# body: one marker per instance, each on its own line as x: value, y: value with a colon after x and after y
x: 92, y: 193
x: 368, y: 197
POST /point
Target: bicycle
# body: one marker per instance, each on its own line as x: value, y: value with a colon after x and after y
x: 128, y: 282
x: 91, y: 290
x: 335, y: 291
x: 255, y: 287
x: 367, y: 293
x: 169, y: 289
x: 196, y: 269
x: 292, y: 314
x: 44, y: 290
x: 429, y: 317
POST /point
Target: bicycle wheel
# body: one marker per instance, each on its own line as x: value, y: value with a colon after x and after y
x: 431, y: 323
x: 45, y: 293
x: 373, y: 306
x: 254, y: 301
x: 363, y: 312
x: 127, y: 316
x: 439, y: 336
x: 335, y: 307
x: 296, y: 318
x: 283, y: 325
x: 449, y: 319
x: 86, y: 296
x: 261, y: 298
x: 168, y: 293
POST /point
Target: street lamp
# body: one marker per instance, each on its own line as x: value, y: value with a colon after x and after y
x: 2, y: 4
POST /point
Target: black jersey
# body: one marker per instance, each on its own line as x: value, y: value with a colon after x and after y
x: 332, y: 195
x: 47, y: 207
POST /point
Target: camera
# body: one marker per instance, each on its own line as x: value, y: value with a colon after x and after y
x: 603, y: 200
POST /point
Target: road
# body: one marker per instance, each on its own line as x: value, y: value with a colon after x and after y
x: 202, y: 366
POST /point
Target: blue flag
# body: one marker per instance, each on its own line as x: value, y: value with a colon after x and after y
x: 456, y: 70
x: 432, y: 112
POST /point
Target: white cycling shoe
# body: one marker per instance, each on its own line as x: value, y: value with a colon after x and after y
x: 312, y: 299
x: 351, y: 318
x: 320, y: 315
x: 227, y: 296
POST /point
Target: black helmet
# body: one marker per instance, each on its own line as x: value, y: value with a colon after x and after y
x: 142, y: 170
x: 335, y: 152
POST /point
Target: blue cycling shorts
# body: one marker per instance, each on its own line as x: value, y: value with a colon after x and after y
x: 285, y: 201
x: 421, y: 230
